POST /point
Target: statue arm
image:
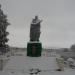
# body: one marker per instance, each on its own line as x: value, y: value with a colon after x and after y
x: 39, y: 21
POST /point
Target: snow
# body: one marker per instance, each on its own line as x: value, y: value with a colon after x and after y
x: 22, y: 65
x: 34, y: 42
x: 4, y: 73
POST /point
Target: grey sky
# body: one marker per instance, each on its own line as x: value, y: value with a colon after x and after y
x: 58, y: 26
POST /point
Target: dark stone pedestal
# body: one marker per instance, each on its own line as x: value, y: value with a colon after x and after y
x: 34, y: 49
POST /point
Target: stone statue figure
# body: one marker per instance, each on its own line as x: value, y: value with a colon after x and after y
x: 35, y: 29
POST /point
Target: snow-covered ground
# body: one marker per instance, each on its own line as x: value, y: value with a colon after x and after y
x: 20, y: 64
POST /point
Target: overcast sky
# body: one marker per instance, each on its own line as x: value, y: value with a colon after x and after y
x: 57, y: 28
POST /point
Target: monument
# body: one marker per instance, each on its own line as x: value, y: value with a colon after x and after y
x: 34, y: 46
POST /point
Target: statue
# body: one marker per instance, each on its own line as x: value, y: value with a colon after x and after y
x: 35, y: 29
x: 34, y: 47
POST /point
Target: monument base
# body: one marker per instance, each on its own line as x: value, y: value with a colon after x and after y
x: 34, y: 49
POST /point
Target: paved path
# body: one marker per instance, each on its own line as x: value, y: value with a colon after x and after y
x: 22, y: 65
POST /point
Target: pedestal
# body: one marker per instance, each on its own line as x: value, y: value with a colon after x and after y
x: 34, y: 49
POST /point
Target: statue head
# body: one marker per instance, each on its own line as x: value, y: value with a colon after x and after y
x: 36, y: 17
